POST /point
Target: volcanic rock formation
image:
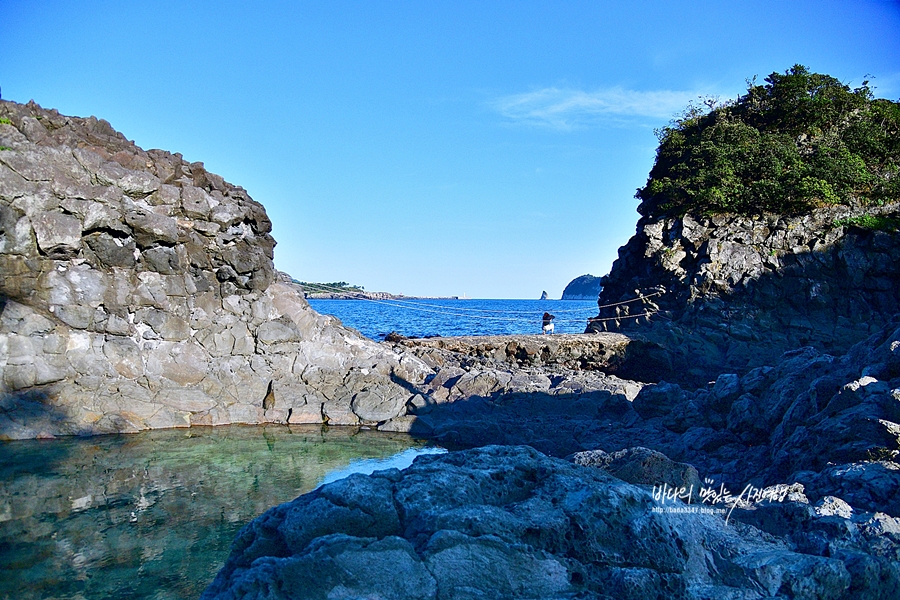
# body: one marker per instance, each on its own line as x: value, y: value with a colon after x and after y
x: 138, y: 291
x: 509, y: 522
x: 740, y: 291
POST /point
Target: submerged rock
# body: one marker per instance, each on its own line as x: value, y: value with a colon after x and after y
x: 509, y: 522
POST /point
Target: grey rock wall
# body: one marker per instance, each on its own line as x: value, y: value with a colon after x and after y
x: 138, y: 291
x: 739, y: 292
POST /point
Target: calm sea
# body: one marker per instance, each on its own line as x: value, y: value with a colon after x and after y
x: 422, y: 318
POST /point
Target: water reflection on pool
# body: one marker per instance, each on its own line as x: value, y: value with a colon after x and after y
x: 152, y: 515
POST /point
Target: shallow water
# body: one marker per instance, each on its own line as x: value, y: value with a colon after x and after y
x: 444, y: 317
x: 153, y: 514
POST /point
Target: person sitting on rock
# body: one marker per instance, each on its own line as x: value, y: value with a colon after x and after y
x: 548, y: 323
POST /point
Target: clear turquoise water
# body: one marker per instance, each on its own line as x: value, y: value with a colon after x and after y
x: 421, y: 318
x: 152, y: 515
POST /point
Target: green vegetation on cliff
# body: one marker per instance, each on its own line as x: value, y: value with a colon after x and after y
x: 873, y: 222
x: 800, y: 141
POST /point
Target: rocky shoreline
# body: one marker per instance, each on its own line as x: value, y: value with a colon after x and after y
x: 138, y: 292
x: 509, y: 522
x: 782, y: 482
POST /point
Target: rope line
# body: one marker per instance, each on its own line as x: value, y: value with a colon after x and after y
x: 622, y: 317
x: 601, y: 306
x: 449, y: 311
x: 460, y: 308
x: 469, y: 316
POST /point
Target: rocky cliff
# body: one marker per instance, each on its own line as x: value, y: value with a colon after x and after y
x: 138, y: 291
x: 771, y: 222
x: 740, y: 291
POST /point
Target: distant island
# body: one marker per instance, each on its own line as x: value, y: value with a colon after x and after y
x: 341, y: 290
x: 585, y: 287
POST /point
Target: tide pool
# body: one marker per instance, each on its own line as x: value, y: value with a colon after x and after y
x: 153, y: 514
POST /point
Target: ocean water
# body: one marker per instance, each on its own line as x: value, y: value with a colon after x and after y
x: 152, y: 515
x: 423, y: 318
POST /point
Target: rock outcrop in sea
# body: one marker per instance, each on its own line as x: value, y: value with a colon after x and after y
x: 138, y: 291
x: 584, y: 287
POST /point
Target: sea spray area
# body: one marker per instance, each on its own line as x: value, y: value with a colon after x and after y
x: 153, y: 514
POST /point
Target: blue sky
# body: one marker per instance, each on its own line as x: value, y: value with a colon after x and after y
x: 430, y: 148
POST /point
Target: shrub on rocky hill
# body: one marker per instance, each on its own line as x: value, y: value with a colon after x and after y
x: 800, y: 141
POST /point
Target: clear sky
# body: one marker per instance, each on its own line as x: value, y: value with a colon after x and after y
x: 431, y: 147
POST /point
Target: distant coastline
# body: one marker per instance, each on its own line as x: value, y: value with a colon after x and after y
x: 361, y: 295
x: 341, y: 290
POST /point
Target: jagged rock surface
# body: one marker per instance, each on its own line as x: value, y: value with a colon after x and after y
x: 138, y: 291
x: 741, y: 291
x: 485, y: 391
x: 829, y: 423
x: 509, y: 522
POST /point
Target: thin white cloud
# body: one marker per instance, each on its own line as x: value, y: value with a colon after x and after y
x: 884, y: 86
x: 569, y: 108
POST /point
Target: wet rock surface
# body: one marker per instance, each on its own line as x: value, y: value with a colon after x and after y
x: 509, y: 522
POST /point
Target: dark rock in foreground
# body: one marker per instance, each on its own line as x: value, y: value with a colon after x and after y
x: 509, y: 522
x: 826, y: 421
